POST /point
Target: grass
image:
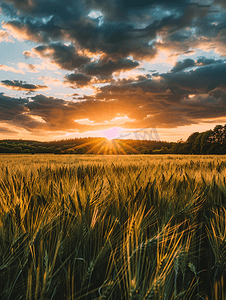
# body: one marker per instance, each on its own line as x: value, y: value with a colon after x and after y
x: 112, y: 227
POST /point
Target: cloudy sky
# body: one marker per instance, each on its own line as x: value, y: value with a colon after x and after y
x: 77, y: 68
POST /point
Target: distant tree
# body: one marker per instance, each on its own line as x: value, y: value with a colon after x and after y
x: 58, y: 151
x: 218, y: 134
x: 80, y: 150
x: 150, y: 151
x: 17, y: 150
x: 196, y: 144
x: 144, y: 151
x: 205, y: 148
x: 205, y: 143
x: 192, y: 138
x: 70, y: 151
x: 185, y: 148
x: 213, y: 149
x: 4, y: 149
x: 26, y: 151
x: 42, y: 149
x: 176, y: 149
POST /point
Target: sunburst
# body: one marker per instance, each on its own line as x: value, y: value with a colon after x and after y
x: 108, y: 145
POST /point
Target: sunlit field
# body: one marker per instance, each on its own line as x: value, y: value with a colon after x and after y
x: 112, y: 227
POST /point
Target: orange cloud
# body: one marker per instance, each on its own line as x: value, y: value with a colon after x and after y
x: 21, y: 31
x: 22, y: 86
x: 28, y: 54
x: 50, y: 81
x: 5, y: 36
x: 28, y: 67
x: 10, y: 69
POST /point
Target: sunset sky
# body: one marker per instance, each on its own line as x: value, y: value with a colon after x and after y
x: 79, y: 68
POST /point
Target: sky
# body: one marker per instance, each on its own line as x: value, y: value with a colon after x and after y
x: 151, y: 69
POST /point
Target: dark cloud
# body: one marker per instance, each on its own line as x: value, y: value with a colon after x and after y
x: 115, y: 40
x: 203, y: 61
x: 100, y: 71
x: 27, y: 31
x: 112, y: 9
x: 14, y: 111
x: 4, y: 130
x: 106, y: 68
x: 40, y: 8
x: 220, y: 2
x: 65, y: 57
x: 22, y: 85
x: 128, y: 28
x: 199, y: 27
x: 11, y: 107
x: 77, y: 80
x: 182, y: 65
x: 121, y: 10
x: 189, y: 63
x: 203, y: 79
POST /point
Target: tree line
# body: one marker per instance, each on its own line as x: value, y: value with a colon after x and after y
x: 208, y: 142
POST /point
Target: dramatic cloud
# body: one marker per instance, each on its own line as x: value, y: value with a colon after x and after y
x: 65, y: 57
x: 189, y: 63
x: 77, y: 80
x: 106, y: 68
x: 108, y: 48
x: 11, y: 108
x: 176, y: 99
x: 22, y: 86
x: 99, y: 72
x: 4, y: 130
x: 182, y: 65
x: 203, y: 61
x: 201, y: 80
x: 127, y: 28
x: 24, y: 31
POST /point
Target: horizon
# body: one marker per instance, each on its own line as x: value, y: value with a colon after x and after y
x: 79, y: 69
x: 126, y: 136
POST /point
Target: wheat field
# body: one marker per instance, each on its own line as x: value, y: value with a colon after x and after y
x: 112, y: 227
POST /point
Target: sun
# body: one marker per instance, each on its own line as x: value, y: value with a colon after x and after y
x: 112, y: 133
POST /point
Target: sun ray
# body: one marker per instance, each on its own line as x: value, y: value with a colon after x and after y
x: 121, y: 150
x: 129, y: 147
x: 103, y: 147
x: 114, y: 147
x: 95, y: 147
x: 107, y: 147
x: 87, y: 144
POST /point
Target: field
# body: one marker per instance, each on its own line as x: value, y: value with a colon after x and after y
x: 112, y: 227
